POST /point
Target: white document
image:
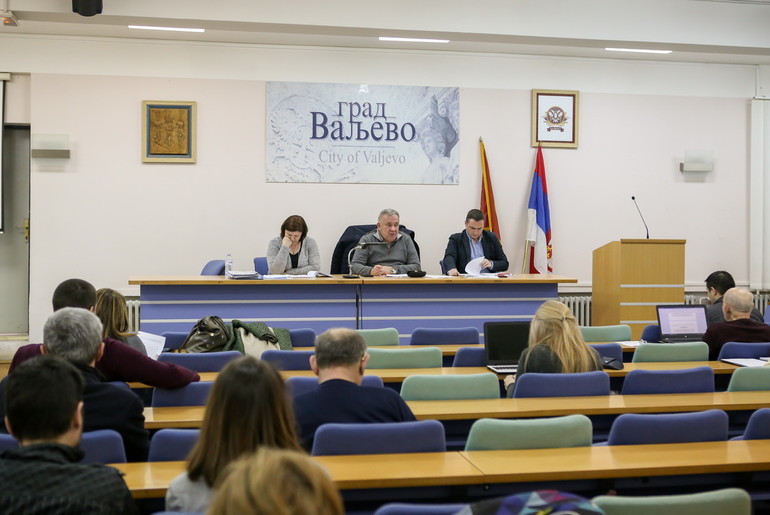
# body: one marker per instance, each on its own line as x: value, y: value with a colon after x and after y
x: 276, y: 276
x: 153, y: 343
x: 745, y: 362
x: 474, y: 266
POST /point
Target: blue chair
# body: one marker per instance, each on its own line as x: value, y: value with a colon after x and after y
x: 766, y: 316
x: 379, y: 438
x: 744, y: 350
x: 302, y: 337
x: 699, y: 426
x: 758, y: 427
x: 651, y: 333
x: 610, y: 350
x: 299, y: 385
x: 194, y: 394
x: 470, y: 357
x: 399, y: 508
x: 214, y: 267
x: 202, y: 361
x: 288, y: 359
x: 581, y: 384
x: 174, y: 339
x: 103, y: 446
x: 445, y: 336
x: 689, y: 380
x: 172, y: 444
x: 260, y: 265
x: 7, y: 442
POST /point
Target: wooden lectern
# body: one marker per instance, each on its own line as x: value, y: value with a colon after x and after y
x: 631, y: 277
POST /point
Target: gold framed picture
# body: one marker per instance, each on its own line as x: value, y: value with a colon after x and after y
x: 168, y: 132
x: 555, y: 118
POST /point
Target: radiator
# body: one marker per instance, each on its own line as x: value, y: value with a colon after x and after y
x: 761, y: 300
x: 580, y: 306
x: 133, y: 315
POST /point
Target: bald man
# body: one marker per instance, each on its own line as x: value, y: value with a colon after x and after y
x: 738, y: 326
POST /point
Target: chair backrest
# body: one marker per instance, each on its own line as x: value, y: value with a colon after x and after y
x: 470, y: 357
x: 758, y: 427
x: 379, y: 438
x: 172, y: 444
x: 379, y: 337
x: 422, y: 357
x: 260, y: 265
x: 766, y: 316
x: 193, y: 394
x: 288, y: 359
x: 606, y: 333
x: 610, y: 350
x: 103, y: 446
x: 651, y: 333
x: 349, y: 239
x: 445, y: 336
x: 299, y: 385
x: 689, y: 351
x: 214, y: 267
x: 489, y: 434
x: 304, y: 337
x: 441, y: 388
x: 718, y: 502
x: 750, y: 379
x: 580, y: 384
x: 174, y: 339
x: 699, y: 426
x: 7, y: 442
x: 744, y: 350
x: 398, y: 508
x: 200, y: 361
x: 688, y: 380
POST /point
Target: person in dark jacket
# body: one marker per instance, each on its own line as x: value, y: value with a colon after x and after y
x: 474, y: 242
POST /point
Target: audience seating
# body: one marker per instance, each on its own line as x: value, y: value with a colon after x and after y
x: 689, y: 351
x: 302, y: 337
x: 610, y: 350
x: 425, y: 357
x: 606, y: 333
x: 172, y: 444
x: 288, y: 359
x: 744, y: 350
x: 214, y: 267
x: 766, y: 316
x: 299, y: 385
x: 732, y: 501
x: 581, y: 384
x: 174, y: 339
x: 651, y: 333
x: 758, y: 427
x: 379, y: 337
x: 102, y: 446
x: 689, y: 380
x: 489, y: 434
x: 200, y: 361
x: 445, y: 336
x: 397, y: 508
x: 194, y: 394
x: 260, y: 265
x: 470, y: 357
x: 442, y: 388
x: 7, y: 442
x: 749, y: 379
x: 699, y: 426
x: 379, y: 438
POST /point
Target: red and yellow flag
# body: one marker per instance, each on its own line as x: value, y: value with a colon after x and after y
x: 487, y: 197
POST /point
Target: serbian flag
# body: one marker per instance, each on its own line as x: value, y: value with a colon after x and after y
x: 487, y: 198
x: 539, y: 217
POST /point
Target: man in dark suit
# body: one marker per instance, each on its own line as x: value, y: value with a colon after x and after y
x: 717, y: 283
x: 472, y: 243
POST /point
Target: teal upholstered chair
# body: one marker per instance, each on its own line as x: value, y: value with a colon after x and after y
x: 606, y: 333
x: 719, y: 502
x: 531, y: 433
x: 379, y: 337
x: 750, y: 379
x: 420, y: 357
x: 689, y: 351
x: 440, y: 388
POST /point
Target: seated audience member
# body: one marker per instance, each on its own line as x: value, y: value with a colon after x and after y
x: 112, y: 310
x: 277, y: 482
x: 738, y: 326
x: 293, y: 252
x: 555, y: 345
x: 248, y: 409
x: 717, y: 283
x: 75, y: 335
x: 339, y: 362
x: 393, y: 251
x: 474, y: 242
x: 119, y: 362
x: 44, y: 400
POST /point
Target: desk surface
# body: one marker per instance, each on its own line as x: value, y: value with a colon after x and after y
x: 339, y: 279
x: 446, y: 350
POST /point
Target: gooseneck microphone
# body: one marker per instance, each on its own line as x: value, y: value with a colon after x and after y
x: 640, y: 216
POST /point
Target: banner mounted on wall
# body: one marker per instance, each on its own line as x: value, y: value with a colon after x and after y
x: 361, y: 133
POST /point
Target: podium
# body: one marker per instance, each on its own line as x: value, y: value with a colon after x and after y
x: 631, y: 277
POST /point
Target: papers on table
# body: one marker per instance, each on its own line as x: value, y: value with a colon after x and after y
x: 276, y: 276
x: 474, y: 266
x: 746, y: 362
x: 631, y: 343
x: 153, y: 343
x: 243, y: 274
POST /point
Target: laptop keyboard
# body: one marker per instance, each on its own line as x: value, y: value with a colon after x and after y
x: 503, y: 369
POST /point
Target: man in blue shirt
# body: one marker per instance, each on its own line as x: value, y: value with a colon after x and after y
x: 474, y: 242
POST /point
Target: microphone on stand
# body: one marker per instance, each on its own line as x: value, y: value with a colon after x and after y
x: 361, y: 245
x: 640, y: 216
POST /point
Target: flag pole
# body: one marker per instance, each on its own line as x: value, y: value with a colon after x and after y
x: 525, y: 259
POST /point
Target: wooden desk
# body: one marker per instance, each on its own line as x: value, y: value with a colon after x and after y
x: 446, y: 350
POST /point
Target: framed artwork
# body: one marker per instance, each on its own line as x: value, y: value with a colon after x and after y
x: 168, y: 132
x: 554, y: 118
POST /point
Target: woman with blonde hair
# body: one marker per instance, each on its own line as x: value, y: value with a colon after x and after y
x: 277, y: 482
x: 112, y: 310
x: 556, y: 345
x: 248, y: 409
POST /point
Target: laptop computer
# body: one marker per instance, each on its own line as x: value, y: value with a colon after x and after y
x: 682, y: 323
x: 504, y: 342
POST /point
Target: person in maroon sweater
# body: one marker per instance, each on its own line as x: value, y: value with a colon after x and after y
x: 119, y: 362
x: 737, y: 305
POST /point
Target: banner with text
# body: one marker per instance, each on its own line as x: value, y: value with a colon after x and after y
x: 358, y: 133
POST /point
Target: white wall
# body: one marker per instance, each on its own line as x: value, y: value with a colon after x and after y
x: 104, y: 216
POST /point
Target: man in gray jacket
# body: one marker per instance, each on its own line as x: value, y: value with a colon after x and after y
x: 386, y: 250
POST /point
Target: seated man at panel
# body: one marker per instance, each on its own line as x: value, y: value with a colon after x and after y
x: 737, y: 304
x: 474, y: 242
x: 44, y: 397
x: 75, y: 334
x: 339, y: 362
x: 717, y: 283
x: 119, y: 362
x: 390, y: 251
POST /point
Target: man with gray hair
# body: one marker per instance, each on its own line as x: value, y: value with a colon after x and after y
x: 737, y: 304
x: 387, y: 250
x: 75, y: 334
x: 339, y: 362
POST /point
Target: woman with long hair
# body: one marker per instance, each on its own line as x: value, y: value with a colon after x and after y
x: 112, y: 310
x: 293, y: 253
x: 248, y: 409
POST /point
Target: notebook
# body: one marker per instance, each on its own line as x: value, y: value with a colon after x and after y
x: 504, y: 342
x: 682, y: 323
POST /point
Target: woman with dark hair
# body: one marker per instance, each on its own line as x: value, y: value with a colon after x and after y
x: 248, y: 409
x: 112, y: 310
x: 292, y: 252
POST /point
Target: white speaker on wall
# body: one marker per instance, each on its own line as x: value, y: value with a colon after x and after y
x: 697, y: 161
x: 49, y: 146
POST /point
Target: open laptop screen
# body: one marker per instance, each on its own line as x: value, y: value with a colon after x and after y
x: 682, y: 322
x: 505, y: 341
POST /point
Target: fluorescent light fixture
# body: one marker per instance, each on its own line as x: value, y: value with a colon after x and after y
x: 414, y: 40
x: 638, y: 50
x: 173, y: 29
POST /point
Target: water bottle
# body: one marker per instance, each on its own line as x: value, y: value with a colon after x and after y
x: 228, y: 264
